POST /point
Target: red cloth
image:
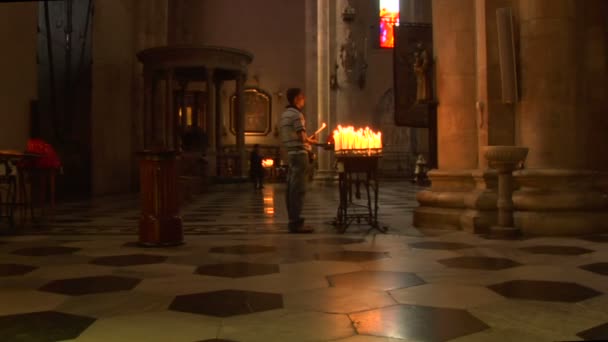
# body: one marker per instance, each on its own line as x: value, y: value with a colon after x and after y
x: 48, y: 157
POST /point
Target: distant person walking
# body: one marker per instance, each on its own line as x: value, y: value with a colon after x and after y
x: 256, y: 171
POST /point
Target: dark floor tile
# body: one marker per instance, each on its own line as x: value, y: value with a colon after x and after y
x: 596, y: 238
x: 237, y: 269
x: 7, y: 270
x: 479, y: 263
x: 439, y: 245
x: 335, y: 241
x: 129, y: 260
x: 227, y: 303
x: 417, y: 323
x: 216, y: 340
x: 599, y: 268
x: 89, y: 285
x: 544, y: 290
x: 353, y: 256
x: 42, y: 326
x: 243, y: 249
x: 598, y: 333
x: 375, y: 280
x: 556, y: 250
x: 45, y: 251
x: 71, y: 220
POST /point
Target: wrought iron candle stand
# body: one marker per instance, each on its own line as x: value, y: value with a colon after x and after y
x: 357, y: 169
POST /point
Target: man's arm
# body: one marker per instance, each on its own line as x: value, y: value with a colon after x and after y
x: 307, y: 139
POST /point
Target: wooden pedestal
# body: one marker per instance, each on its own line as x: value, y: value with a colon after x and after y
x: 159, y: 223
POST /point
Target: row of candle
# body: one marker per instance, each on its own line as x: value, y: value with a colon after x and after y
x: 348, y: 138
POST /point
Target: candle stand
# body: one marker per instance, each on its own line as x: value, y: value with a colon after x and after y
x: 357, y: 178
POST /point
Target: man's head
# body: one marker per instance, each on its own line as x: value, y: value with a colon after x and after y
x: 296, y: 97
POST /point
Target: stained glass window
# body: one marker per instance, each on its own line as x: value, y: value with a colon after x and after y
x: 389, y: 18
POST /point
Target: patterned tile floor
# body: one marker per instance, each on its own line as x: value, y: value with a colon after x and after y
x: 241, y: 277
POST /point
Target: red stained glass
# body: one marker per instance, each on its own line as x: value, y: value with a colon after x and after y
x: 389, y: 17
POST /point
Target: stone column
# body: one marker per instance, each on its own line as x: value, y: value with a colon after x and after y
x: 455, y: 61
x: 219, y: 119
x: 240, y: 126
x: 169, y: 116
x: 561, y: 117
x: 148, y: 111
x: 211, y: 125
x: 323, y: 65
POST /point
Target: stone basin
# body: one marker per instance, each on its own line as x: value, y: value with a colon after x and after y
x: 505, y: 154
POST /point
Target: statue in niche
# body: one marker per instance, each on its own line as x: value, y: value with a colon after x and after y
x: 421, y: 70
x: 348, y: 56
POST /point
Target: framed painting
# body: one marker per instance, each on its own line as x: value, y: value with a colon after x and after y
x: 258, y: 109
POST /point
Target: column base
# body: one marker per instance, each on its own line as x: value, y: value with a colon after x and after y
x: 563, y: 202
x: 443, y: 204
x: 499, y: 232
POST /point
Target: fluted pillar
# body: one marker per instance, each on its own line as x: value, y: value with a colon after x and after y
x: 320, y: 29
x: 561, y: 117
x: 454, y: 36
x: 240, y: 125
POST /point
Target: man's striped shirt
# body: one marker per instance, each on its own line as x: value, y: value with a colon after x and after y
x: 292, y: 122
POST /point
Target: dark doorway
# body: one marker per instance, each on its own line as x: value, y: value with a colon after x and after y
x: 63, y: 112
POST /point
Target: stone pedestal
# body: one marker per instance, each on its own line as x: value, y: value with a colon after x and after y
x: 159, y: 223
x: 505, y: 159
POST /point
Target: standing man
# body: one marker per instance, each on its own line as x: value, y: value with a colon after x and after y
x: 298, y: 146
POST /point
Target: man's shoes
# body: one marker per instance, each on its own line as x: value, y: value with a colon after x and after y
x: 298, y: 227
x: 302, y: 230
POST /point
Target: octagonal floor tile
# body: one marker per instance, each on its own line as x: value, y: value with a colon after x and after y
x: 7, y: 270
x: 89, y: 285
x: 227, y: 303
x: 352, y: 256
x: 42, y: 326
x: 286, y: 325
x: 161, y: 326
x: 237, y: 269
x: 599, y: 268
x: 598, y: 333
x: 111, y: 304
x: 26, y: 301
x: 242, y: 249
x: 375, y: 280
x: 129, y: 260
x: 45, y: 251
x: 556, y: 250
x: 335, y: 241
x: 544, y: 290
x: 446, y: 295
x: 337, y: 300
x: 419, y: 323
x: 596, y: 238
x: 479, y: 263
x: 439, y: 245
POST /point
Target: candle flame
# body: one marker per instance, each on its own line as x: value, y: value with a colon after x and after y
x: 267, y: 162
x: 349, y: 138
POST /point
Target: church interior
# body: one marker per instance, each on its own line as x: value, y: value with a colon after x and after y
x: 458, y: 188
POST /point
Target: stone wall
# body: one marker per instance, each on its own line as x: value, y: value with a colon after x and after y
x: 273, y: 30
x: 18, y: 39
x: 120, y: 29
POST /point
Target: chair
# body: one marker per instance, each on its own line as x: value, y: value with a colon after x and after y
x: 8, y: 195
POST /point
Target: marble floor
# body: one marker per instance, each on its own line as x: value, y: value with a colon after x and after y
x: 241, y: 277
